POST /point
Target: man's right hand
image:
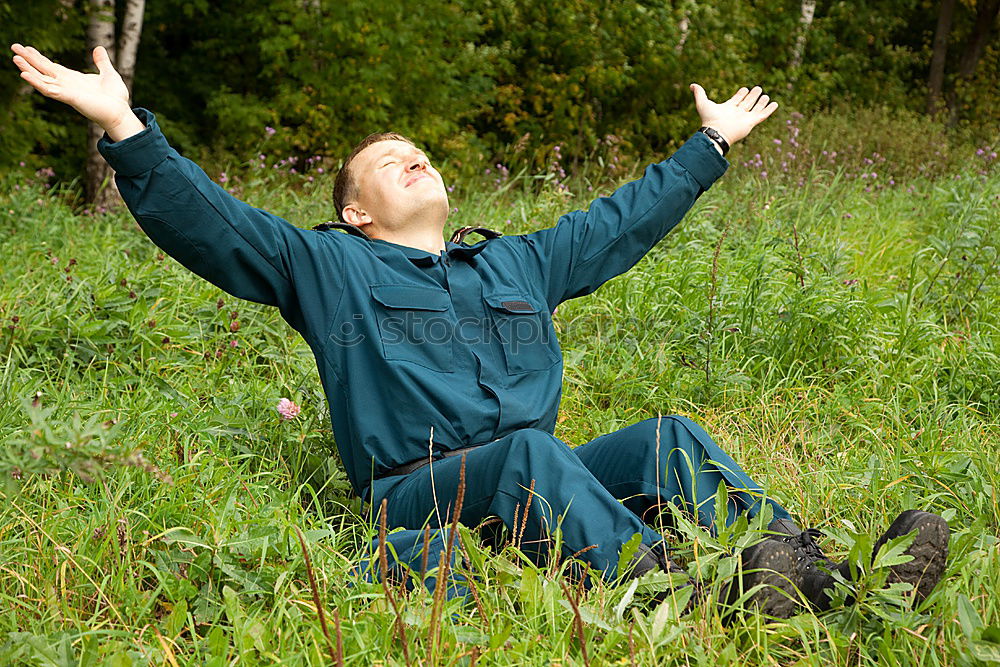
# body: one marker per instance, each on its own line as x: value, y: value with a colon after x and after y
x: 102, y: 97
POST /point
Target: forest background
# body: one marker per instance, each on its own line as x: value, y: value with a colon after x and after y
x: 486, y: 78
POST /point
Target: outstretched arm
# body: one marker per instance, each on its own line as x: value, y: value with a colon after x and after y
x: 247, y: 252
x: 587, y: 248
x: 101, y: 97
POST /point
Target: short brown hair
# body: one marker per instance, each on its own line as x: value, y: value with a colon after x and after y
x: 345, y: 186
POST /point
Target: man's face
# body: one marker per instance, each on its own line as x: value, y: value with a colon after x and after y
x: 397, y: 186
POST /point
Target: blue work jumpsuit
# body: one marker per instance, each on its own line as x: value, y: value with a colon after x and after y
x: 422, y: 354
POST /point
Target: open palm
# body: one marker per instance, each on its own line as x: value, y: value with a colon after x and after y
x: 735, y: 117
x: 101, y: 97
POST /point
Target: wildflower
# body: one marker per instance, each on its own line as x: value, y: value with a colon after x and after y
x: 173, y: 414
x: 980, y: 152
x: 219, y: 304
x: 262, y: 157
x: 270, y: 131
x: 454, y: 210
x: 234, y: 343
x: 319, y: 170
x: 851, y: 282
x: 21, y: 163
x: 848, y: 216
x: 451, y: 188
x: 777, y: 142
x: 287, y: 409
x: 234, y: 326
x: 223, y: 178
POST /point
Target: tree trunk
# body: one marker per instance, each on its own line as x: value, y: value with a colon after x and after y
x: 805, y: 21
x: 100, y: 188
x: 128, y: 40
x: 986, y: 14
x: 685, y: 28
x: 935, y: 82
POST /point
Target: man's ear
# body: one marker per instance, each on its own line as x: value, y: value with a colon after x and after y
x: 356, y: 216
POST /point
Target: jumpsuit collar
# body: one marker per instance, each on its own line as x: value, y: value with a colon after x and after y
x: 454, y: 248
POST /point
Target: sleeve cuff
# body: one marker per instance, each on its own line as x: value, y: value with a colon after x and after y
x: 139, y: 153
x: 699, y: 156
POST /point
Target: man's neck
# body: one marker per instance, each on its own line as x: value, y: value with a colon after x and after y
x: 428, y: 240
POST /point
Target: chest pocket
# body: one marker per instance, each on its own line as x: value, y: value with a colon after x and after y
x: 415, y: 324
x: 525, y: 333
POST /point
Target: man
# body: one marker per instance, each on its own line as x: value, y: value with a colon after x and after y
x: 429, y: 349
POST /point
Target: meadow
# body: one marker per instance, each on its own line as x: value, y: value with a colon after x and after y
x: 826, y: 311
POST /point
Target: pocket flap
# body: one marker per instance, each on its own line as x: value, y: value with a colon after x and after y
x: 511, y: 303
x: 411, y: 297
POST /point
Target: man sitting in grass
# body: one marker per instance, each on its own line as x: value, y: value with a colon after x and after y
x: 441, y: 356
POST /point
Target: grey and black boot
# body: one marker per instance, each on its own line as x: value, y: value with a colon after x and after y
x: 654, y: 558
x: 770, y: 564
x: 929, y: 550
x: 814, y: 568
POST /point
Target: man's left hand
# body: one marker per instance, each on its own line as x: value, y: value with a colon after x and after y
x: 735, y: 117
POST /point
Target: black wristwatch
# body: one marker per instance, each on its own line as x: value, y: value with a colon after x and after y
x: 716, y: 137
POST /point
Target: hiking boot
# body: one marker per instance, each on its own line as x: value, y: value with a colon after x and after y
x: 648, y: 559
x: 929, y: 550
x: 814, y: 568
x: 770, y: 563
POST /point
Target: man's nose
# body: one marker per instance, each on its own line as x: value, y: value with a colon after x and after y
x: 418, y: 165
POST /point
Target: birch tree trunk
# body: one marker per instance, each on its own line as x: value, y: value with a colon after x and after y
x: 805, y: 22
x: 685, y: 27
x: 100, y: 183
x: 100, y: 32
x: 935, y: 81
x: 128, y: 40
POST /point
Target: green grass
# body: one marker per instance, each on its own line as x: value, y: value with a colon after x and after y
x: 849, y: 359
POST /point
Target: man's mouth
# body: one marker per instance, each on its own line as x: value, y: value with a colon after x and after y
x: 413, y: 179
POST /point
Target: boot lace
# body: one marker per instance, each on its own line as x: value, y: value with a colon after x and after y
x: 805, y: 545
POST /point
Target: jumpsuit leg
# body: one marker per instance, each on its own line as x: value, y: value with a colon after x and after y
x: 498, y: 476
x: 687, y: 472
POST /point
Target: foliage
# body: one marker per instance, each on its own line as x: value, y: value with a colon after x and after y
x: 492, y: 78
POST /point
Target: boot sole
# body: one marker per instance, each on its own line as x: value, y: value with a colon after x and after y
x: 930, y: 555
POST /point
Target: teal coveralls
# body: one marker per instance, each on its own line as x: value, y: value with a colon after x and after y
x: 422, y: 354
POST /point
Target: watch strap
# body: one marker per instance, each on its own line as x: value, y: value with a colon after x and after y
x: 714, y: 135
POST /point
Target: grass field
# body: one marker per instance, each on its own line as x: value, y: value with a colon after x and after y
x: 836, y: 332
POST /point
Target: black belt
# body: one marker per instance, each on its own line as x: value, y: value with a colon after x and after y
x: 407, y: 468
